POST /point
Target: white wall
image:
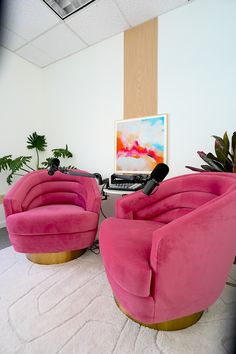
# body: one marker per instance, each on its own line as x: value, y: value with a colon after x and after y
x: 84, y: 98
x: 197, y: 75
x: 22, y: 107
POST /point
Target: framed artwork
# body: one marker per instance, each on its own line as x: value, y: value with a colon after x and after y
x: 141, y: 143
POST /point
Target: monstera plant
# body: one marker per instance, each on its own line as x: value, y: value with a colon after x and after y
x: 22, y: 164
x: 224, y: 159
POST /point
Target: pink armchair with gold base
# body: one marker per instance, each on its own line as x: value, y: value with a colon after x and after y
x: 167, y: 255
x: 52, y: 218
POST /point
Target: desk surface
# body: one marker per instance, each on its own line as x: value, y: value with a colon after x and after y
x: 118, y: 192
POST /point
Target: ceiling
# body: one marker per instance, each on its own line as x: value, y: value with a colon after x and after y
x: 33, y: 31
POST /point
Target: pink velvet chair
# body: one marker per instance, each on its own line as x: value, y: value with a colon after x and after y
x: 52, y: 218
x: 167, y: 255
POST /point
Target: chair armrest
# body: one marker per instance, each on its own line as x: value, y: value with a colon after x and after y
x: 93, y: 195
x: 125, y: 206
x: 11, y: 206
x: 192, y: 256
x: 14, y: 198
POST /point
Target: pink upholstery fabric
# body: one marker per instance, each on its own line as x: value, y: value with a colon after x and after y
x: 52, y: 219
x: 52, y: 213
x: 170, y: 270
x: 129, y: 259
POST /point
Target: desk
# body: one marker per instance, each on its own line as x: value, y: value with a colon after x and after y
x: 117, y: 192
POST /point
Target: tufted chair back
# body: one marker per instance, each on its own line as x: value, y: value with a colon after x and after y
x: 38, y: 189
x: 178, y: 196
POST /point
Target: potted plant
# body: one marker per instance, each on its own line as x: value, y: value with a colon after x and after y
x: 21, y: 164
x: 224, y: 159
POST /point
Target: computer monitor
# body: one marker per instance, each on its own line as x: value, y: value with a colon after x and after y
x: 141, y: 143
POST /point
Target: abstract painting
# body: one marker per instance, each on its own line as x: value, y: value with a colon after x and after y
x: 141, y: 143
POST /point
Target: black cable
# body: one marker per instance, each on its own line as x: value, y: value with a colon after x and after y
x: 102, y: 191
x: 104, y: 185
x: 95, y: 247
x: 231, y: 284
x: 102, y: 212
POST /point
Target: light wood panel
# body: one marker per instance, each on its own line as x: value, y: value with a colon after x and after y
x: 140, y: 70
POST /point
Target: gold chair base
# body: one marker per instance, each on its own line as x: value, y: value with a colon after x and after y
x: 173, y: 325
x: 54, y: 258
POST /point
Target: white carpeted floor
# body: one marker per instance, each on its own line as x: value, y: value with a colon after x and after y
x: 69, y: 309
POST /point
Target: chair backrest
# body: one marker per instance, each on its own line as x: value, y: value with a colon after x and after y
x: 38, y: 188
x: 179, y: 196
x: 191, y: 257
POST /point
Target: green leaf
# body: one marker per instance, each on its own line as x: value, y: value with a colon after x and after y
x: 20, y: 163
x: 9, y: 179
x: 223, y: 158
x: 220, y: 141
x: 215, y: 160
x: 70, y: 167
x: 228, y: 167
x: 194, y: 169
x: 234, y: 160
x: 36, y: 141
x: 209, y: 168
x: 221, y: 148
x: 226, y: 142
x: 233, y: 142
x: 5, y: 162
x: 48, y: 162
x: 62, y: 152
x: 211, y: 156
x: 209, y: 161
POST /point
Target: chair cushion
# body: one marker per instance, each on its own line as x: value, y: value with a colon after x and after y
x: 52, y: 219
x: 125, y: 246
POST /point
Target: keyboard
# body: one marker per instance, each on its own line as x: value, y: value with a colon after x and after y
x: 131, y: 187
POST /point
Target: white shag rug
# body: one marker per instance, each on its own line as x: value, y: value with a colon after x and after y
x: 69, y: 309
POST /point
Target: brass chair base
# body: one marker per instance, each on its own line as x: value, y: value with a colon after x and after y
x: 173, y: 325
x: 54, y: 258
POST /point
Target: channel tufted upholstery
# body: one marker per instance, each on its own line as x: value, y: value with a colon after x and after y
x: 52, y: 213
x: 168, y: 255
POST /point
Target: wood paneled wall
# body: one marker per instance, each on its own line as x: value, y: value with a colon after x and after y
x: 140, y: 70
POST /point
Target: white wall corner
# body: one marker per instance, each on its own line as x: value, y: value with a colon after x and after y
x: 2, y: 217
x: 2, y: 224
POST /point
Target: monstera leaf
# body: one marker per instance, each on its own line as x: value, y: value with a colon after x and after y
x: 36, y: 141
x: 62, y: 153
x: 5, y: 162
x: 48, y: 162
x: 21, y: 164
